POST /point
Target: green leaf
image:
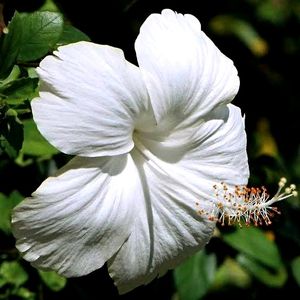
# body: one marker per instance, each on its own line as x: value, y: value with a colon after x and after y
x: 20, y: 90
x: 49, y: 5
x: 255, y: 244
x: 13, y: 273
x: 14, y: 74
x: 34, y: 143
x: 10, y: 45
x: 24, y: 293
x: 243, y: 30
x: 40, y: 34
x: 2, y: 283
x: 276, y: 14
x: 54, y: 281
x: 32, y: 73
x: 71, y: 34
x: 296, y: 269
x: 270, y: 278
x: 194, y: 277
x: 6, y: 206
x: 11, y: 133
x: 231, y: 273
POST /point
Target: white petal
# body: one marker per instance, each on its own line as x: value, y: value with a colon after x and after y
x: 168, y: 228
x: 77, y: 220
x: 215, y: 149
x: 175, y: 179
x: 185, y: 73
x: 219, y: 147
x: 90, y: 98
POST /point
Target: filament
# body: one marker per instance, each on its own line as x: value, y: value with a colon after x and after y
x: 248, y: 205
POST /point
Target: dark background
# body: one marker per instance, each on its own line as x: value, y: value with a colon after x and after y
x: 269, y: 96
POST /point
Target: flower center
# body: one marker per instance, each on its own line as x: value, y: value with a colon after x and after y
x: 245, y: 205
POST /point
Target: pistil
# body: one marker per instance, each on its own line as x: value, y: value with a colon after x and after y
x: 246, y: 205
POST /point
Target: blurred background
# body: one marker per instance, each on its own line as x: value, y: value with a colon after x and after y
x: 262, y: 37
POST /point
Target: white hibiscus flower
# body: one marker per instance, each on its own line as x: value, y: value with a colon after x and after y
x: 150, y: 142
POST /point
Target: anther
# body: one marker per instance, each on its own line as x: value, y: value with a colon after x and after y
x: 246, y: 205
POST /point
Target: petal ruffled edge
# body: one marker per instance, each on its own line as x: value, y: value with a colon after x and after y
x: 185, y: 73
x: 76, y: 221
x: 90, y: 99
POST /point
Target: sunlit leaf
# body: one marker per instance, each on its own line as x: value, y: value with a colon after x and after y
x: 14, y: 74
x: 32, y: 73
x: 49, y: 5
x: 194, y: 277
x: 34, y: 143
x: 19, y: 90
x: 40, y: 34
x: 255, y: 244
x: 54, y: 281
x: 24, y: 293
x: 268, y: 277
x: 296, y: 269
x: 243, y: 30
x: 13, y: 273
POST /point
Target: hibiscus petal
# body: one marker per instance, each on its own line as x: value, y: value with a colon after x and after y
x: 90, y: 97
x: 219, y: 146
x: 185, y: 73
x: 167, y: 229
x: 214, y: 149
x: 77, y: 220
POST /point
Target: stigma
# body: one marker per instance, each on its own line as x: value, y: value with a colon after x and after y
x: 245, y: 205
